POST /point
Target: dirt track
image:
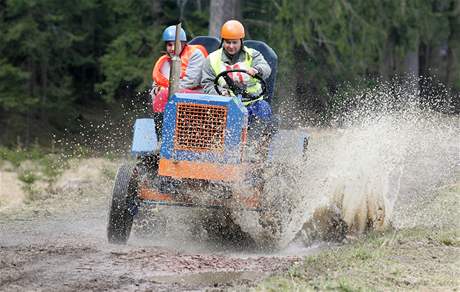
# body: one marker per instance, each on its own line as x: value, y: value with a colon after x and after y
x: 63, y: 252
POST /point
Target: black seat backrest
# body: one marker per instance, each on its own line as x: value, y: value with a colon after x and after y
x: 272, y: 60
x: 210, y: 43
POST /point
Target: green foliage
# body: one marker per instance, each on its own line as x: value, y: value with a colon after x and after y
x: 37, y: 43
x: 13, y: 92
x: 325, y: 44
x: 50, y: 165
x: 126, y: 63
x: 59, y: 54
x: 19, y: 155
x: 28, y: 177
x: 130, y: 55
x: 35, y: 166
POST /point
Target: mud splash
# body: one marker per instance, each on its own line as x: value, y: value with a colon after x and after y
x: 384, y: 162
x: 384, y: 154
x: 373, y: 171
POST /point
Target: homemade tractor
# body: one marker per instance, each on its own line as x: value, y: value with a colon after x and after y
x: 211, y: 156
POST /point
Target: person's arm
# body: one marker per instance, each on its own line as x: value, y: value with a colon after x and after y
x: 260, y: 64
x: 207, y: 78
x: 155, y: 87
x: 192, y: 77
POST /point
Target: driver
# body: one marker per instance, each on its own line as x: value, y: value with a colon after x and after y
x: 234, y: 55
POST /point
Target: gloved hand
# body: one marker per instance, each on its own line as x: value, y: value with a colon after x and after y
x: 154, y: 91
x: 225, y: 91
x: 252, y: 71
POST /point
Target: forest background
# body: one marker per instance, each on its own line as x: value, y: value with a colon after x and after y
x: 65, y: 65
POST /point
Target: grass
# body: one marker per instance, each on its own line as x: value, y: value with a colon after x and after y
x: 109, y: 173
x: 27, y: 177
x: 39, y: 171
x: 19, y: 155
x: 411, y: 260
x: 44, y: 166
x: 419, y: 258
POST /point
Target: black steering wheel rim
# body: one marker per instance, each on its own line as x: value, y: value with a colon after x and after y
x: 246, y: 97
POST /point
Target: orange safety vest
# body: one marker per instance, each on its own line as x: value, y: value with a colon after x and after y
x: 185, y: 55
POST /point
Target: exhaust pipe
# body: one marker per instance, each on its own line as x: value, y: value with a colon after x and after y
x: 174, y: 74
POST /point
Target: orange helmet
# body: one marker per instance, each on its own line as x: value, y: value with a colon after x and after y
x: 232, y: 30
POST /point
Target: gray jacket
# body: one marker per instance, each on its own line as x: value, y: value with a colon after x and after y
x: 192, y: 77
x: 258, y: 62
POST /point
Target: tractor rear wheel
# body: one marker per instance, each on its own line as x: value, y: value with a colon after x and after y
x: 120, y: 218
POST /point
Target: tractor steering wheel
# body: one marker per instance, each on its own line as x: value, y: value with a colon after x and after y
x: 238, y: 89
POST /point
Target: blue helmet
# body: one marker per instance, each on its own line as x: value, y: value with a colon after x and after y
x: 169, y: 34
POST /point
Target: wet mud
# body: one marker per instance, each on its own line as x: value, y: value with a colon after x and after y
x: 67, y: 250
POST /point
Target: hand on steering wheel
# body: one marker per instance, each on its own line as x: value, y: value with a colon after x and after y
x: 238, y: 89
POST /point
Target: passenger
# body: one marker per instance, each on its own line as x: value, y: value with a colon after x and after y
x: 234, y: 55
x: 192, y: 58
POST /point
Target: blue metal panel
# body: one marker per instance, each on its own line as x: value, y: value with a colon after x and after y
x: 169, y: 129
x: 145, y: 139
x: 236, y: 120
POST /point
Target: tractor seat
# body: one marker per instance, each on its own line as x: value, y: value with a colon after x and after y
x: 210, y: 43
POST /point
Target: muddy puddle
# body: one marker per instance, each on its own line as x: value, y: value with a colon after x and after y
x: 63, y: 263
x: 211, y: 279
x: 67, y: 250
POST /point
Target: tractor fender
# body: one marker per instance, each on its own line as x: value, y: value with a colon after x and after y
x: 145, y: 140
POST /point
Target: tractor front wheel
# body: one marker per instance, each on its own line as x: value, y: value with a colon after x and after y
x: 120, y: 217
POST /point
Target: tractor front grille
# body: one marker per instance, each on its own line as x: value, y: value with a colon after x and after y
x: 200, y: 127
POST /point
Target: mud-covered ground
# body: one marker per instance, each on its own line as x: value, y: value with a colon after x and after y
x: 58, y: 242
x: 71, y: 253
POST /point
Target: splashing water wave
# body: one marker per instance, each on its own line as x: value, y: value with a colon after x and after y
x: 388, y: 156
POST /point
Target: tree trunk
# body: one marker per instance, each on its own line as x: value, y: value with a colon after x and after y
x: 156, y: 10
x: 32, y: 86
x: 424, y: 59
x: 411, y: 63
x: 181, y: 4
x: 4, y: 123
x: 387, y: 63
x: 44, y: 89
x: 411, y: 71
x: 220, y: 12
x: 453, y: 43
x: 453, y: 56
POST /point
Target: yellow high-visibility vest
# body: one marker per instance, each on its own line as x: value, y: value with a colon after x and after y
x: 253, y: 85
